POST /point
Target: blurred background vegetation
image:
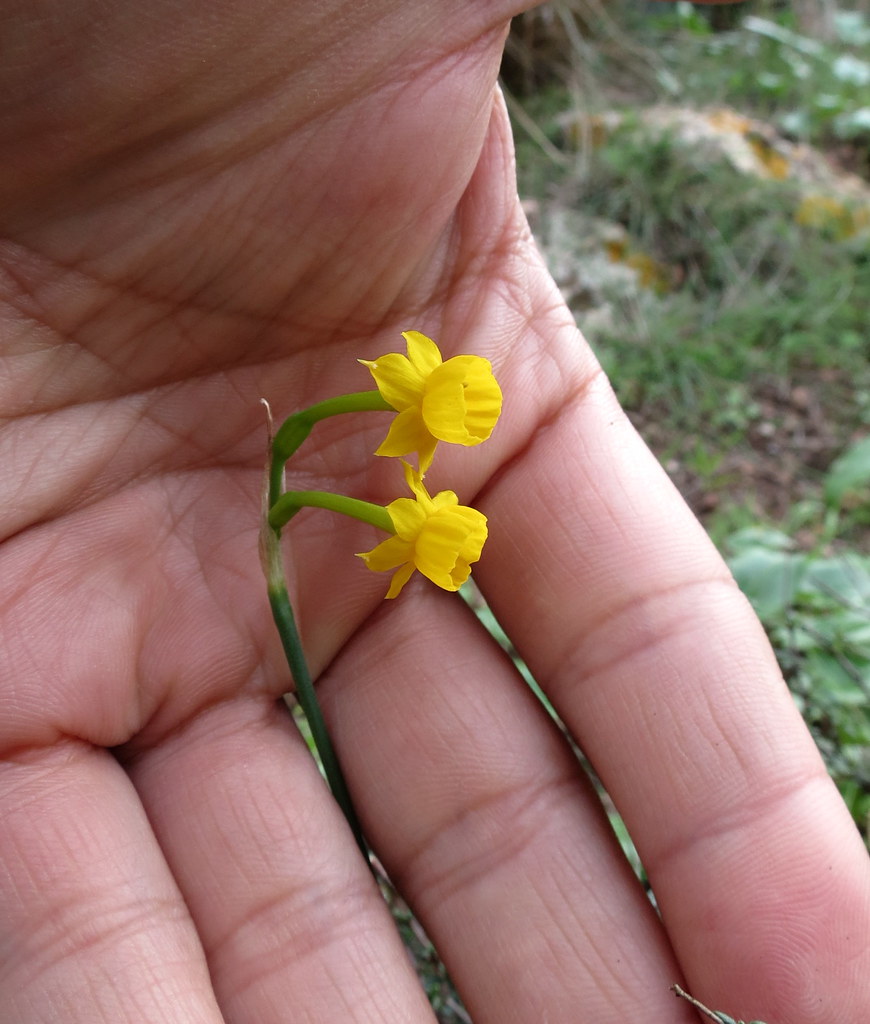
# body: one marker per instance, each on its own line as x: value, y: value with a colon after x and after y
x: 697, y: 178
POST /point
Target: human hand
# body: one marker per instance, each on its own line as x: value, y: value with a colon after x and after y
x: 206, y: 204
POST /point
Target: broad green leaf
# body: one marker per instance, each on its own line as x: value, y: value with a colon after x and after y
x: 845, y: 578
x: 769, y: 578
x: 849, y: 476
x: 752, y: 537
x: 831, y: 674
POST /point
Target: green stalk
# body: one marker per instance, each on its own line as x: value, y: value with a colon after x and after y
x: 297, y: 427
x: 285, y: 507
x: 277, y: 511
x: 282, y: 612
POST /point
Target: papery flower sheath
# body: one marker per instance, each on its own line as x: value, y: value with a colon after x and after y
x: 435, y: 535
x: 458, y: 401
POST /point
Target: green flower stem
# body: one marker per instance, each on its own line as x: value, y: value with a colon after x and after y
x: 282, y: 613
x: 297, y: 427
x: 285, y: 507
x: 278, y: 510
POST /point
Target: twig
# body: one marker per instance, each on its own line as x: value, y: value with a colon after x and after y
x: 715, y: 1015
x: 683, y: 994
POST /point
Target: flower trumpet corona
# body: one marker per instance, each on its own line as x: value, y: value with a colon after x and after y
x: 437, y: 536
x: 458, y: 401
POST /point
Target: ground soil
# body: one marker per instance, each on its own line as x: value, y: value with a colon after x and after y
x: 799, y: 428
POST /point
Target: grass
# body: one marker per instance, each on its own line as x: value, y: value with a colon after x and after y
x: 743, y: 287
x: 759, y: 316
x: 748, y: 334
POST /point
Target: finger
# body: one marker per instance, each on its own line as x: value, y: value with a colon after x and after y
x: 92, y: 926
x: 483, y: 818
x: 633, y: 625
x: 290, y: 918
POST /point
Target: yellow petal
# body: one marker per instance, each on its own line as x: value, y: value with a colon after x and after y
x: 414, y: 480
x: 426, y: 452
x: 444, y: 499
x: 423, y: 353
x: 407, y: 517
x: 462, y: 400
x: 397, y: 379
x: 400, y: 578
x: 388, y: 554
x: 407, y: 433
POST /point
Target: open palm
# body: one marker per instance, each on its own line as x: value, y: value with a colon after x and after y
x: 205, y: 205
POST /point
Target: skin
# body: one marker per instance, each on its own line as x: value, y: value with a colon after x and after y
x: 206, y: 204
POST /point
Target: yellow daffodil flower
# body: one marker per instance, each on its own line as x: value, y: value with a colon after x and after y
x: 437, y: 536
x: 458, y: 401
